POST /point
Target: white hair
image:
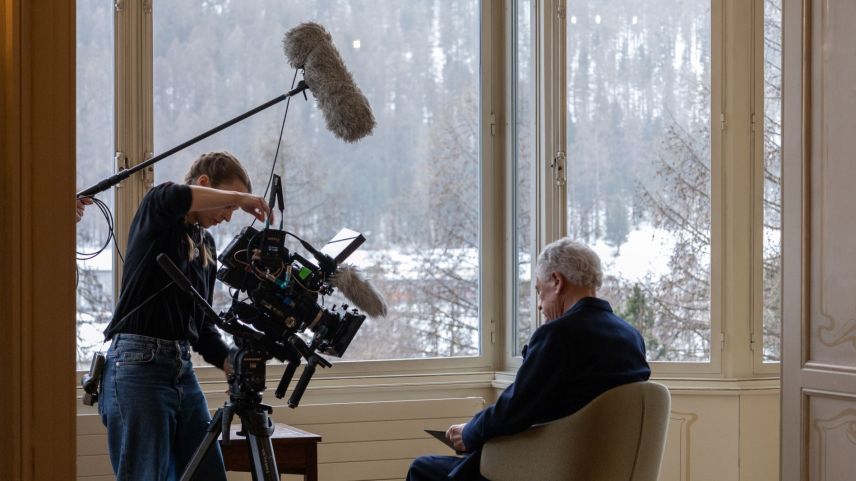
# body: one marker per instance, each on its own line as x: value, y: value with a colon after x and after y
x: 577, y: 263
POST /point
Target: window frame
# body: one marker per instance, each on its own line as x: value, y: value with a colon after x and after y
x: 134, y: 140
x: 758, y: 126
x: 734, y: 300
x: 512, y: 358
x: 551, y: 209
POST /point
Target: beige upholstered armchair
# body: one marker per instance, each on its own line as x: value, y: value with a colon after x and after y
x: 619, y: 436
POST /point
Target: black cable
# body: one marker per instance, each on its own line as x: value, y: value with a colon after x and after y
x: 278, y: 142
x: 108, y: 216
x: 111, y: 236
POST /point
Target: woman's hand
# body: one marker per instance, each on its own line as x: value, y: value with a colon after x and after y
x: 455, y: 434
x: 255, y: 206
x: 210, y: 206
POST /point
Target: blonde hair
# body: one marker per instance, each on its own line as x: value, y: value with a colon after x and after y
x: 220, y: 167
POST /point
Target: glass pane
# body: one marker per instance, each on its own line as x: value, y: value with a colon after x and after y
x: 772, y: 179
x: 639, y: 162
x: 95, y: 149
x: 524, y: 171
x: 411, y: 188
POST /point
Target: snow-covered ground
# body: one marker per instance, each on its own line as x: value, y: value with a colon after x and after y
x: 645, y: 254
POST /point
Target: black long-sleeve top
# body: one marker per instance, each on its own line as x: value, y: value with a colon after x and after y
x: 159, y: 226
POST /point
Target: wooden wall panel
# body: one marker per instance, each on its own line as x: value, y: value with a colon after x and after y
x: 37, y: 238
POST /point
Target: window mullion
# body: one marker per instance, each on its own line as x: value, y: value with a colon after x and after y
x: 552, y: 118
x: 133, y: 109
x: 736, y: 192
x: 759, y: 153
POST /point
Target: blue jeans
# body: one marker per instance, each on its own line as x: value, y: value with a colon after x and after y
x: 154, y: 410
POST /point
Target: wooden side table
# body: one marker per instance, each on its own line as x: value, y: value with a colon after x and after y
x: 295, y: 451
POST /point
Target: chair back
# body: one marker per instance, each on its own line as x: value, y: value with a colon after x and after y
x: 618, y: 436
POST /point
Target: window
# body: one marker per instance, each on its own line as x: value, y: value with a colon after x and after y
x: 412, y: 188
x: 772, y: 181
x: 639, y: 162
x: 523, y: 176
x: 95, y: 147
x: 643, y: 163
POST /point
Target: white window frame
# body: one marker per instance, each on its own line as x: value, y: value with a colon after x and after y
x: 735, y: 230
x: 758, y: 114
x: 734, y: 277
x: 551, y: 167
x: 134, y: 140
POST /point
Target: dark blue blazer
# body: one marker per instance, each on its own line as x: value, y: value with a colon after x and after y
x: 567, y: 363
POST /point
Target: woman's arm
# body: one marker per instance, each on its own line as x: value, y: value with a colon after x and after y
x: 207, y: 198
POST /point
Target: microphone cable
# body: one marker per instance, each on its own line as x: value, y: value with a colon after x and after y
x: 278, y: 144
x: 111, y: 236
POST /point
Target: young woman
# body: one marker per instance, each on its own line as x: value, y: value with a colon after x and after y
x: 151, y: 403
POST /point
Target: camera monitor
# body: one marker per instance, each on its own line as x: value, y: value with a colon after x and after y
x: 343, y: 244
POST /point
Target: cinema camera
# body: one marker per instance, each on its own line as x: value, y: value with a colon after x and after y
x: 282, y: 299
x: 284, y: 287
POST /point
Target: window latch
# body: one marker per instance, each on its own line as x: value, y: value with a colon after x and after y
x: 148, y: 173
x: 559, y: 168
x: 121, y: 160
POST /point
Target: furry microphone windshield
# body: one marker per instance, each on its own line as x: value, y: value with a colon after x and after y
x: 350, y: 282
x: 346, y: 110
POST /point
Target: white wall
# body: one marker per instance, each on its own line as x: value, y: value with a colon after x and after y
x: 719, y: 431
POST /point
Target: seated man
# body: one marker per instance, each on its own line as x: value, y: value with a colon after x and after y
x: 582, y: 350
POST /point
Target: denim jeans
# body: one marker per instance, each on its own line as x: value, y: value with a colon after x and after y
x: 154, y: 410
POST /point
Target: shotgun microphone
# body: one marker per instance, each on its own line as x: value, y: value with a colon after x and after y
x: 346, y: 110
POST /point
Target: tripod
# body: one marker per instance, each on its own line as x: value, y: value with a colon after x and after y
x: 245, y: 401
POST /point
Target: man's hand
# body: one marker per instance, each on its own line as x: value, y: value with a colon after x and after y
x: 82, y: 202
x: 455, y: 434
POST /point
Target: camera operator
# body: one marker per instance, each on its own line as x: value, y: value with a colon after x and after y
x: 151, y: 403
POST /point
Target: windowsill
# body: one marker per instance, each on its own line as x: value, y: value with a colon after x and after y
x: 355, y: 386
x: 363, y: 381
x: 686, y: 384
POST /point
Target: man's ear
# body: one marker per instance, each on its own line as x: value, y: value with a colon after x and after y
x: 558, y: 279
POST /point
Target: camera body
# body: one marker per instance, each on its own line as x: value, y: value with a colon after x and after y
x: 284, y: 287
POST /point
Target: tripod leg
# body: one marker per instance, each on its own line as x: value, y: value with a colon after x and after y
x: 214, y: 430
x: 262, y: 459
x: 258, y: 428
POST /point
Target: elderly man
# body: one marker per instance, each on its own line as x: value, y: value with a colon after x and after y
x: 581, y: 351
